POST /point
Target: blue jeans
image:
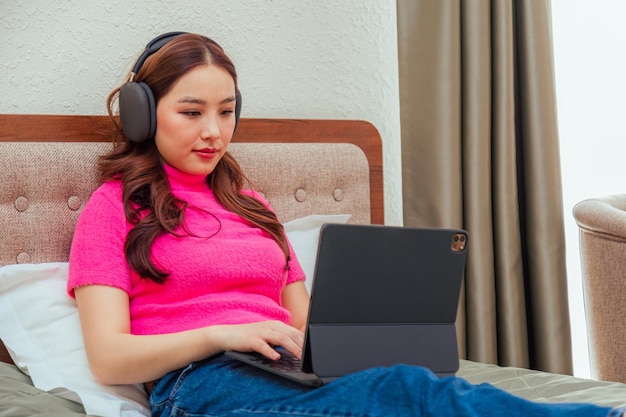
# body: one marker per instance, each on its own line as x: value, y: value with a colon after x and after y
x: 223, y: 387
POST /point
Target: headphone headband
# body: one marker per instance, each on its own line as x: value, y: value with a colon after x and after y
x: 153, y: 46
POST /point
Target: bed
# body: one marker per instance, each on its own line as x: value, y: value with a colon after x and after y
x: 311, y: 171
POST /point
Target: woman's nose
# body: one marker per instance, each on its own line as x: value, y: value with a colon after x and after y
x: 210, y: 129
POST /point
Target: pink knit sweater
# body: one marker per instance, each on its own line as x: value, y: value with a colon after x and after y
x: 228, y: 272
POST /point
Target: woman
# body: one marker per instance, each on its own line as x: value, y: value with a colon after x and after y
x: 188, y: 265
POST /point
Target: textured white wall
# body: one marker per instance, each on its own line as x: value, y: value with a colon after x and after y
x: 296, y: 59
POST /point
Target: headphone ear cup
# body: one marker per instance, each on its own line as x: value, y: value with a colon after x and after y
x: 137, y: 111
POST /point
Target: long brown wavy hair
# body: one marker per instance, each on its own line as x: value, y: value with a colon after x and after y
x: 149, y: 204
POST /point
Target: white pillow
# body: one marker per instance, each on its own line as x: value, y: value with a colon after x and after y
x: 303, y: 234
x: 40, y: 327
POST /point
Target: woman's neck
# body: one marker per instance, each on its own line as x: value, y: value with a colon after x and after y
x: 182, y: 180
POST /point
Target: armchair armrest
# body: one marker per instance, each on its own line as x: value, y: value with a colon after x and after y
x: 602, y: 226
x: 605, y: 215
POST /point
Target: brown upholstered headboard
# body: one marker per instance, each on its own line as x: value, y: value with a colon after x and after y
x: 302, y: 166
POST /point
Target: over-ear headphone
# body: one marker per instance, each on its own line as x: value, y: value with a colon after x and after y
x: 137, y: 104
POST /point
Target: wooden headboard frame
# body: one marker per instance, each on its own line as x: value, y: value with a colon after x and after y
x: 37, y: 128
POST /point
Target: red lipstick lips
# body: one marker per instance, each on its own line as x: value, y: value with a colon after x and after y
x: 206, y: 152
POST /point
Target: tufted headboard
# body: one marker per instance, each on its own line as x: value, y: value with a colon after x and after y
x: 301, y: 166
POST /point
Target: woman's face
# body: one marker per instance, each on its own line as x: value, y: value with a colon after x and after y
x: 196, y: 119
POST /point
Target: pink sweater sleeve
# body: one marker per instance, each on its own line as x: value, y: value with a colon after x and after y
x: 97, y: 252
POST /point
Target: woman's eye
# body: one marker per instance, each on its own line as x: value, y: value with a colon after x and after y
x: 227, y: 112
x: 191, y: 113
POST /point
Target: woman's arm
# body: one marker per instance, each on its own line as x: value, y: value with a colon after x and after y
x: 295, y: 298
x: 118, y: 357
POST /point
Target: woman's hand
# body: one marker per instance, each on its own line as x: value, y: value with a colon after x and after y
x: 259, y: 337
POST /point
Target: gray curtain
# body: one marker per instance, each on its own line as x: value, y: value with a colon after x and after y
x: 480, y: 151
